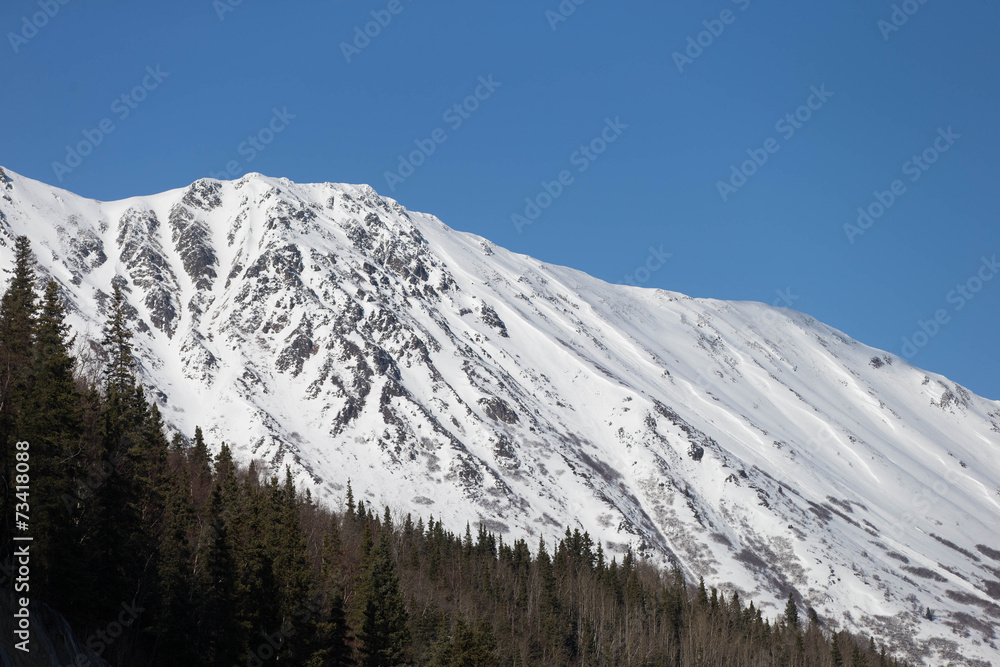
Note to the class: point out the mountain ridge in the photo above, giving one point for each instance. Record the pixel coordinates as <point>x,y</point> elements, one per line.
<point>330,329</point>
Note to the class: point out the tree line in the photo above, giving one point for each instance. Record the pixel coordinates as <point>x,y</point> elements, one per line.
<point>227,564</point>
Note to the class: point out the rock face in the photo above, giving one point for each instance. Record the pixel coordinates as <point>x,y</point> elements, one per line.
<point>329,329</point>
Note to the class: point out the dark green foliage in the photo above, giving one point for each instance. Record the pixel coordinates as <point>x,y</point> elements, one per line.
<point>334,636</point>
<point>175,577</point>
<point>50,420</point>
<point>201,465</point>
<point>384,632</point>
<point>17,334</point>
<point>791,612</point>
<point>219,637</point>
<point>835,655</point>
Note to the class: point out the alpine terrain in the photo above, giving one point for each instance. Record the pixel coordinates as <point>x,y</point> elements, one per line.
<point>328,329</point>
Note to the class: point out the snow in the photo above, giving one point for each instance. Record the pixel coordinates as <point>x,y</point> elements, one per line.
<point>817,461</point>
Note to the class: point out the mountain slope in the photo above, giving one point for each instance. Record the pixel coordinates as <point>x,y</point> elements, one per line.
<point>327,328</point>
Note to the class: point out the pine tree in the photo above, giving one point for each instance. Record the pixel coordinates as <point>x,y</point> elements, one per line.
<point>702,594</point>
<point>384,632</point>
<point>51,421</point>
<point>791,612</point>
<point>201,463</point>
<point>835,655</point>
<point>294,578</point>
<point>225,472</point>
<point>175,614</point>
<point>259,598</point>
<point>220,637</point>
<point>334,636</point>
<point>350,501</point>
<point>120,371</point>
<point>17,330</point>
<point>18,310</point>
<point>114,514</point>
<point>331,554</point>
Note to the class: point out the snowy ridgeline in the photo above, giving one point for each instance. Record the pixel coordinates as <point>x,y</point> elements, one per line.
<point>329,329</point>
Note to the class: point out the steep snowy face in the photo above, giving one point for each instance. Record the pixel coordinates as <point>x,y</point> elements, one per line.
<point>329,329</point>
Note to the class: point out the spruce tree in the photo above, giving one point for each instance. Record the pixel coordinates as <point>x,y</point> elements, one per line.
<point>791,612</point>
<point>220,637</point>
<point>835,655</point>
<point>175,612</point>
<point>384,634</point>
<point>201,464</point>
<point>114,514</point>
<point>117,342</point>
<point>702,594</point>
<point>17,330</point>
<point>350,501</point>
<point>331,555</point>
<point>51,421</point>
<point>294,576</point>
<point>18,309</point>
<point>334,635</point>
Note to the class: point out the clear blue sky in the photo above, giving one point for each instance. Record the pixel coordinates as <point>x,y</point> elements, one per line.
<point>656,184</point>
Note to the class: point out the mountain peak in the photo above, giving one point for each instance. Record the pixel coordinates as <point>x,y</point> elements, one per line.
<point>329,329</point>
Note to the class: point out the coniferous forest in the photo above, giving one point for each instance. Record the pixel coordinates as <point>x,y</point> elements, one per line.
<point>220,564</point>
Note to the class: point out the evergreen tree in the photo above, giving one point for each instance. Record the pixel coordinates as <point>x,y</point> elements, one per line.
<point>225,471</point>
<point>17,330</point>
<point>791,612</point>
<point>201,463</point>
<point>331,555</point>
<point>334,636</point>
<point>702,594</point>
<point>350,501</point>
<point>18,309</point>
<point>114,515</point>
<point>384,632</point>
<point>294,578</point>
<point>857,659</point>
<point>835,655</point>
<point>175,614</point>
<point>51,422</point>
<point>220,637</point>
<point>120,371</point>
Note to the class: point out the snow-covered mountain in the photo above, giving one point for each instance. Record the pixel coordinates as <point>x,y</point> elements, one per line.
<point>330,329</point>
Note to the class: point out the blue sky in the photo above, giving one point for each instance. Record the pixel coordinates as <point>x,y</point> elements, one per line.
<point>620,100</point>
